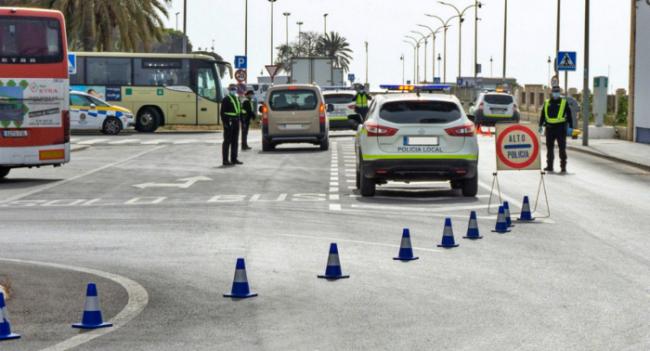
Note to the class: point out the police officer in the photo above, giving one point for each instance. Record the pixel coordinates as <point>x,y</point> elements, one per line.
<point>248,115</point>
<point>361,102</point>
<point>556,116</point>
<point>231,112</point>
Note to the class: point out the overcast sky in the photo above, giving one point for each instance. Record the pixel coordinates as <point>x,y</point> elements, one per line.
<point>383,23</point>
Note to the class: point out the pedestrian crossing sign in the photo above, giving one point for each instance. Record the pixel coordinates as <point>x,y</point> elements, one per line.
<point>566,61</point>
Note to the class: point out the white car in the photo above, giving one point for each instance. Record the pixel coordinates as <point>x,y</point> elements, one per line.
<point>341,109</point>
<point>491,108</point>
<point>90,113</point>
<point>413,137</point>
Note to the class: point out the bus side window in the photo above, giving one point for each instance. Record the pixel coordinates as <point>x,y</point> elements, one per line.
<point>206,84</point>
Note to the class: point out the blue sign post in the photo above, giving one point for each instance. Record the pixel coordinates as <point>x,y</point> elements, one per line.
<point>567,61</point>
<point>241,62</point>
<point>351,77</point>
<point>72,63</point>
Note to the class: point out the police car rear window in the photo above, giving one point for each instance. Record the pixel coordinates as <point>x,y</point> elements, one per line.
<point>339,98</point>
<point>498,99</point>
<point>419,112</point>
<point>293,100</point>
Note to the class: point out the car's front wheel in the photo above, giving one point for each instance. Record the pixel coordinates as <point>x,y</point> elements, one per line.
<point>4,171</point>
<point>368,186</point>
<point>470,186</point>
<point>112,126</point>
<point>324,144</point>
<point>267,145</point>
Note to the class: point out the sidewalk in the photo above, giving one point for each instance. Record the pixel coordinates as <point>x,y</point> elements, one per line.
<point>634,154</point>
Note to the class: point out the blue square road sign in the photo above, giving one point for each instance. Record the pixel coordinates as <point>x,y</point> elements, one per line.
<point>241,62</point>
<point>567,61</point>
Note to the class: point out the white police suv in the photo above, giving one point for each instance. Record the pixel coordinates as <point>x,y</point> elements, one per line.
<point>416,137</point>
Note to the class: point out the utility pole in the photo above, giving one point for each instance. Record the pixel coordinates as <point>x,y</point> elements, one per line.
<point>325,23</point>
<point>586,108</point>
<point>272,2</point>
<point>184,26</point>
<point>245,29</point>
<point>505,39</point>
<point>632,84</point>
<point>476,5</point>
<point>366,63</point>
<point>557,38</point>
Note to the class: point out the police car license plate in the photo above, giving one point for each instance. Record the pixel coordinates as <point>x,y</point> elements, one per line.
<point>421,141</point>
<point>14,133</point>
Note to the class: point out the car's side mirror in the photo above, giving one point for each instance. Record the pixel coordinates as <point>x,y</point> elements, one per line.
<point>261,109</point>
<point>330,108</point>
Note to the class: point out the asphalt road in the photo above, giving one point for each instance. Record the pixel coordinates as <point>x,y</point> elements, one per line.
<point>160,210</point>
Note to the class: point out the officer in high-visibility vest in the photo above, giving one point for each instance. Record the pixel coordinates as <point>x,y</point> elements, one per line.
<point>556,116</point>
<point>231,113</point>
<point>361,102</point>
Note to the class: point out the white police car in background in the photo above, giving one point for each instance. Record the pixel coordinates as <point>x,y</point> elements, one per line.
<point>87,112</point>
<point>416,137</point>
<point>491,108</point>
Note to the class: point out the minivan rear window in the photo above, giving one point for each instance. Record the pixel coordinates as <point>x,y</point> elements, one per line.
<point>339,98</point>
<point>293,100</point>
<point>498,99</point>
<point>419,112</point>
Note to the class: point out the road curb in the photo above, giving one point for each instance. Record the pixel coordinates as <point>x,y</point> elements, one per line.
<point>608,157</point>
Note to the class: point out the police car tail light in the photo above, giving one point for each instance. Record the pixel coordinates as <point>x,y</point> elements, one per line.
<point>265,115</point>
<point>466,130</point>
<point>375,129</point>
<point>321,113</point>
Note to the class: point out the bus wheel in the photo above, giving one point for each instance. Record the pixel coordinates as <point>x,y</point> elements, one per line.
<point>4,171</point>
<point>148,120</point>
<point>112,126</point>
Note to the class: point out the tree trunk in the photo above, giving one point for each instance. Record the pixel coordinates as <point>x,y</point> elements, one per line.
<point>88,25</point>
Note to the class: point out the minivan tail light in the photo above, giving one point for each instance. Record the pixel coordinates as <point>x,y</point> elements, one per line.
<point>378,130</point>
<point>265,115</point>
<point>466,130</point>
<point>321,113</point>
<point>352,106</point>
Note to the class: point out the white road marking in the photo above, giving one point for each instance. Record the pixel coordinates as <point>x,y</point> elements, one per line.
<point>188,182</point>
<point>125,141</point>
<point>334,197</point>
<point>138,298</point>
<point>154,142</point>
<point>335,207</point>
<point>354,241</point>
<point>334,190</point>
<point>183,142</point>
<point>146,200</point>
<point>351,180</point>
<point>92,141</point>
<point>420,209</point>
<point>65,181</point>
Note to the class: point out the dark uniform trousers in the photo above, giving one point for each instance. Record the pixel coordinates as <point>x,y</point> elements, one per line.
<point>245,124</point>
<point>556,133</point>
<point>230,137</point>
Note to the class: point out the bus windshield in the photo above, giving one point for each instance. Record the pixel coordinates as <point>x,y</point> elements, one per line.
<point>25,40</point>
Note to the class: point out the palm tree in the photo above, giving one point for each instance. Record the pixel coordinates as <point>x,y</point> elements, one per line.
<point>285,54</point>
<point>108,24</point>
<point>336,47</point>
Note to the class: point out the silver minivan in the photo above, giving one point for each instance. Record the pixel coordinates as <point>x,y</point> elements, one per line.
<point>294,113</point>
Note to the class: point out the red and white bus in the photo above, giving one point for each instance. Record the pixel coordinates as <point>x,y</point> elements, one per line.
<point>34,88</point>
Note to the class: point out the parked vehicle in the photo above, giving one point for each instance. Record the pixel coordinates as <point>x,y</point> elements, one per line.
<point>90,113</point>
<point>492,108</point>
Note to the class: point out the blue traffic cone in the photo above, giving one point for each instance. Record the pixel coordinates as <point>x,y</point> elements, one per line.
<point>472,228</point>
<point>506,211</point>
<point>5,327</point>
<point>240,288</point>
<point>333,269</point>
<point>448,236</point>
<point>526,215</point>
<point>502,225</point>
<point>92,317</point>
<point>405,249</point>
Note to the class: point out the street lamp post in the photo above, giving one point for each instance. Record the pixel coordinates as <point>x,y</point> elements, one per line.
<point>401,58</point>
<point>415,55</point>
<point>557,37</point>
<point>286,18</point>
<point>425,38</point>
<point>477,5</point>
<point>460,31</point>
<point>184,26</point>
<point>366,63</point>
<point>433,45</point>
<point>417,58</point>
<point>300,23</point>
<point>445,26</point>
<point>325,23</point>
<point>505,38</point>
<point>245,31</point>
<point>491,71</point>
<point>586,109</point>
<point>177,13</point>
<point>272,2</point>
<point>548,61</point>
<point>439,60</point>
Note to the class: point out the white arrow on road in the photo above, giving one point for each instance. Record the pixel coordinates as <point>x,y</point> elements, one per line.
<point>188,182</point>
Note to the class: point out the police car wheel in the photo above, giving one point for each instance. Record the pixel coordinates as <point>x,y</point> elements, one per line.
<point>456,184</point>
<point>267,146</point>
<point>112,126</point>
<point>367,185</point>
<point>4,171</point>
<point>324,144</point>
<point>358,180</point>
<point>470,187</point>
